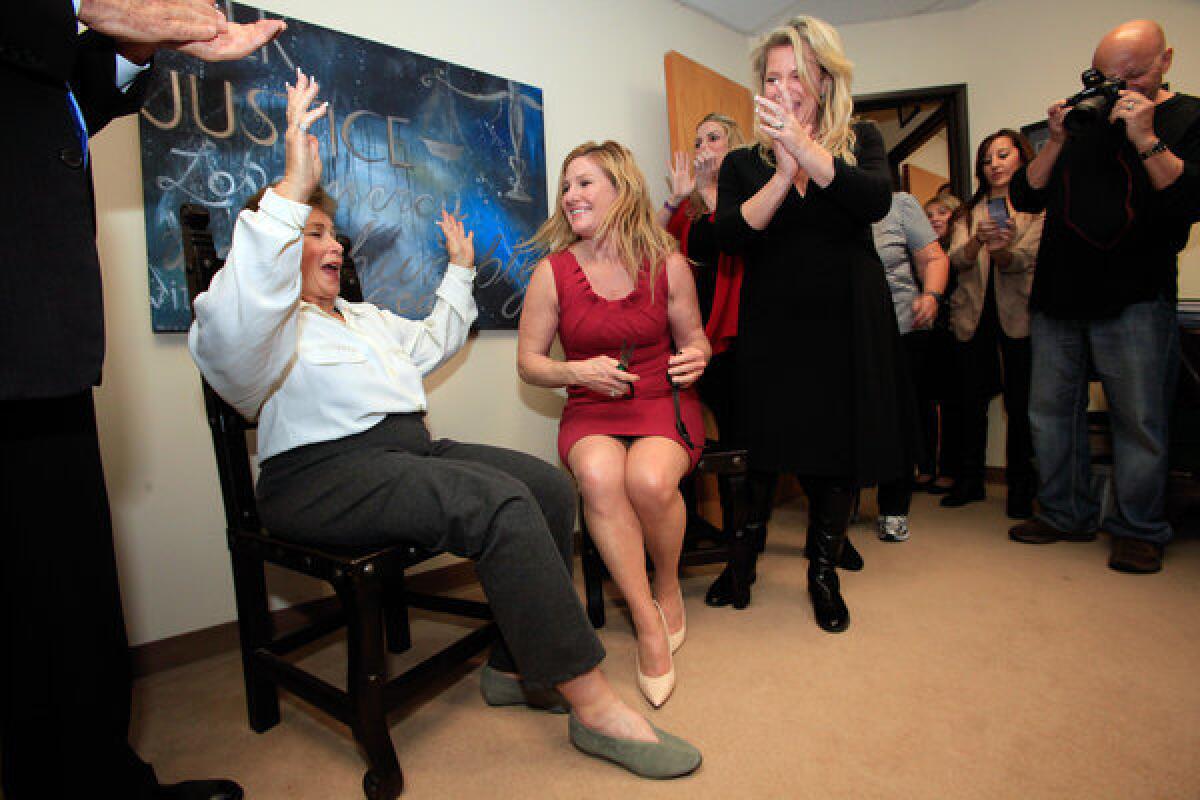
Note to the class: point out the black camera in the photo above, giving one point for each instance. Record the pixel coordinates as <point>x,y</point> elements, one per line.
<point>1091,107</point>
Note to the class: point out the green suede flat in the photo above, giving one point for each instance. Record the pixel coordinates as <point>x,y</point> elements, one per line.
<point>499,689</point>
<point>669,757</point>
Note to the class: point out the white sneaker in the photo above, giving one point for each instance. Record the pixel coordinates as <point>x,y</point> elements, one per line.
<point>893,529</point>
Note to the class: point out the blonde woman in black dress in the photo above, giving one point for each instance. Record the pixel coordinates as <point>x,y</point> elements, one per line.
<point>819,350</point>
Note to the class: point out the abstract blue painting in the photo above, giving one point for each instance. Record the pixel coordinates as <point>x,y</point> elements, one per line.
<point>405,135</point>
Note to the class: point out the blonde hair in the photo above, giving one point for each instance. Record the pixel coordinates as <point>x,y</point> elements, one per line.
<point>629,223</point>
<point>835,108</point>
<point>733,134</point>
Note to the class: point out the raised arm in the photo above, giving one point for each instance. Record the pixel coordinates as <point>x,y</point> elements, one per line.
<point>429,342</point>
<point>1037,173</point>
<point>682,182</point>
<point>245,333</point>
<point>244,336</point>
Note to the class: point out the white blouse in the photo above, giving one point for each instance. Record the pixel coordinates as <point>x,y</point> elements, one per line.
<point>304,375</point>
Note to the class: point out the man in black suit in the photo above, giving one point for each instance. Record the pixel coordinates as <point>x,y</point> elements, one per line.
<point>65,683</point>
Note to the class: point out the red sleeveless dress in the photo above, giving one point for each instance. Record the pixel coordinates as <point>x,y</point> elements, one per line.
<point>589,326</point>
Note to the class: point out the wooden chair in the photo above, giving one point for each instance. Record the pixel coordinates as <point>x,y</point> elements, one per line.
<point>702,542</point>
<point>368,582</point>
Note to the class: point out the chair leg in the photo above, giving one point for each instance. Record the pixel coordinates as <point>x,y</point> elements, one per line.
<point>255,631</point>
<point>362,597</point>
<point>395,616</point>
<point>742,549</point>
<point>593,576</point>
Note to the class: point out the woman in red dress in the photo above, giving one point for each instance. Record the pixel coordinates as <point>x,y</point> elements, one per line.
<point>622,302</point>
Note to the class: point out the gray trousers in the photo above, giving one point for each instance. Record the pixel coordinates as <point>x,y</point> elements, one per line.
<point>510,513</point>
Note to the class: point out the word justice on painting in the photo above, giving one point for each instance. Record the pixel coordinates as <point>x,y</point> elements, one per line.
<point>268,132</point>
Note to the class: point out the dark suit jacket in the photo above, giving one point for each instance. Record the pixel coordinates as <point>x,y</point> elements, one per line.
<point>51,313</point>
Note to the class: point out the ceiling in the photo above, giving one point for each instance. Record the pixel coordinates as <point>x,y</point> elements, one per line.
<point>757,16</point>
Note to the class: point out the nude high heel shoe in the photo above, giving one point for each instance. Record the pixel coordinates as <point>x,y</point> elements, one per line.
<point>659,687</point>
<point>677,638</point>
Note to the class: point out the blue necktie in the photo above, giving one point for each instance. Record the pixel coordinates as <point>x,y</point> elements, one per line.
<point>80,124</point>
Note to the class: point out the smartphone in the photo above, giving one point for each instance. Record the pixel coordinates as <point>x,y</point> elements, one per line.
<point>998,211</point>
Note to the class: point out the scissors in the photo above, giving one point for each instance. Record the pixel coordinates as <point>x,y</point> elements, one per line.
<point>625,359</point>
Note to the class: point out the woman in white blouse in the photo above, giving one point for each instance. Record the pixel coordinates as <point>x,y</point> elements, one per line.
<point>346,458</point>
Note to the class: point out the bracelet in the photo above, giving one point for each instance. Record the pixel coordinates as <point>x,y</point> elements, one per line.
<point>938,296</point>
<point>1153,150</point>
<point>667,205</point>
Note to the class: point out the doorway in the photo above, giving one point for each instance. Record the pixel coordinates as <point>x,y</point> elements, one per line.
<point>925,132</point>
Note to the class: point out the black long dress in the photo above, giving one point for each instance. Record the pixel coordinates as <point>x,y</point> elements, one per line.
<point>821,373</point>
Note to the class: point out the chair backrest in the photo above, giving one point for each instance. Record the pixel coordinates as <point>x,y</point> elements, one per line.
<point>227,426</point>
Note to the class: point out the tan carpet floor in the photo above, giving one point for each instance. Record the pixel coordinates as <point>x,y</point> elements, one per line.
<point>974,668</point>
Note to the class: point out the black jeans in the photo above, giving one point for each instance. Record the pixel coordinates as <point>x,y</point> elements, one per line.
<point>510,513</point>
<point>939,398</point>
<point>992,361</point>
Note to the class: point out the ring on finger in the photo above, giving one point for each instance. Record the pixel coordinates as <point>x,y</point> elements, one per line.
<point>613,393</point>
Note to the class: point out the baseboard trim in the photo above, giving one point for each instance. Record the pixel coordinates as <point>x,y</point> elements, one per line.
<point>176,651</point>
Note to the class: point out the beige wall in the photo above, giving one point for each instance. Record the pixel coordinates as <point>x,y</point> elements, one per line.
<point>1016,57</point>
<point>600,66</point>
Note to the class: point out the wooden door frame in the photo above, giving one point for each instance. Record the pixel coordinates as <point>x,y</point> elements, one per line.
<point>952,112</point>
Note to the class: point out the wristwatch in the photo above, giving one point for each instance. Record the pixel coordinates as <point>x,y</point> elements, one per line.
<point>941,298</point>
<point>1153,150</point>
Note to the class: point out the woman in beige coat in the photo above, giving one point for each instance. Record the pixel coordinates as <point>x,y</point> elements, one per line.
<point>993,253</point>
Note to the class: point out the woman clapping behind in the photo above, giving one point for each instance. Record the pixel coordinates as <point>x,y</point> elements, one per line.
<point>621,300</point>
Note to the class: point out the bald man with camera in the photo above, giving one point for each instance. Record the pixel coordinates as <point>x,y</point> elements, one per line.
<point>1119,180</point>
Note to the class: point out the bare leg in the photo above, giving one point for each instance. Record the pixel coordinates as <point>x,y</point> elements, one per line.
<point>597,706</point>
<point>598,463</point>
<point>653,469</point>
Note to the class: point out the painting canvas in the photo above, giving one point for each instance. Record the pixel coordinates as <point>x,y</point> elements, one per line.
<point>405,135</point>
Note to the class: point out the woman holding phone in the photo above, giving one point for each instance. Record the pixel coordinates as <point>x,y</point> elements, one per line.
<point>992,253</point>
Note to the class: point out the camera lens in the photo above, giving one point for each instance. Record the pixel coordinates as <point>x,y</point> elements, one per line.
<point>1085,116</point>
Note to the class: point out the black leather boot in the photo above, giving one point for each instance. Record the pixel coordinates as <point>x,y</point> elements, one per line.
<point>827,533</point>
<point>720,593</point>
<point>851,560</point>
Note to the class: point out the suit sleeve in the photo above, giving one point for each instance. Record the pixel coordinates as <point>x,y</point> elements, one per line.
<point>94,81</point>
<point>39,37</point>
